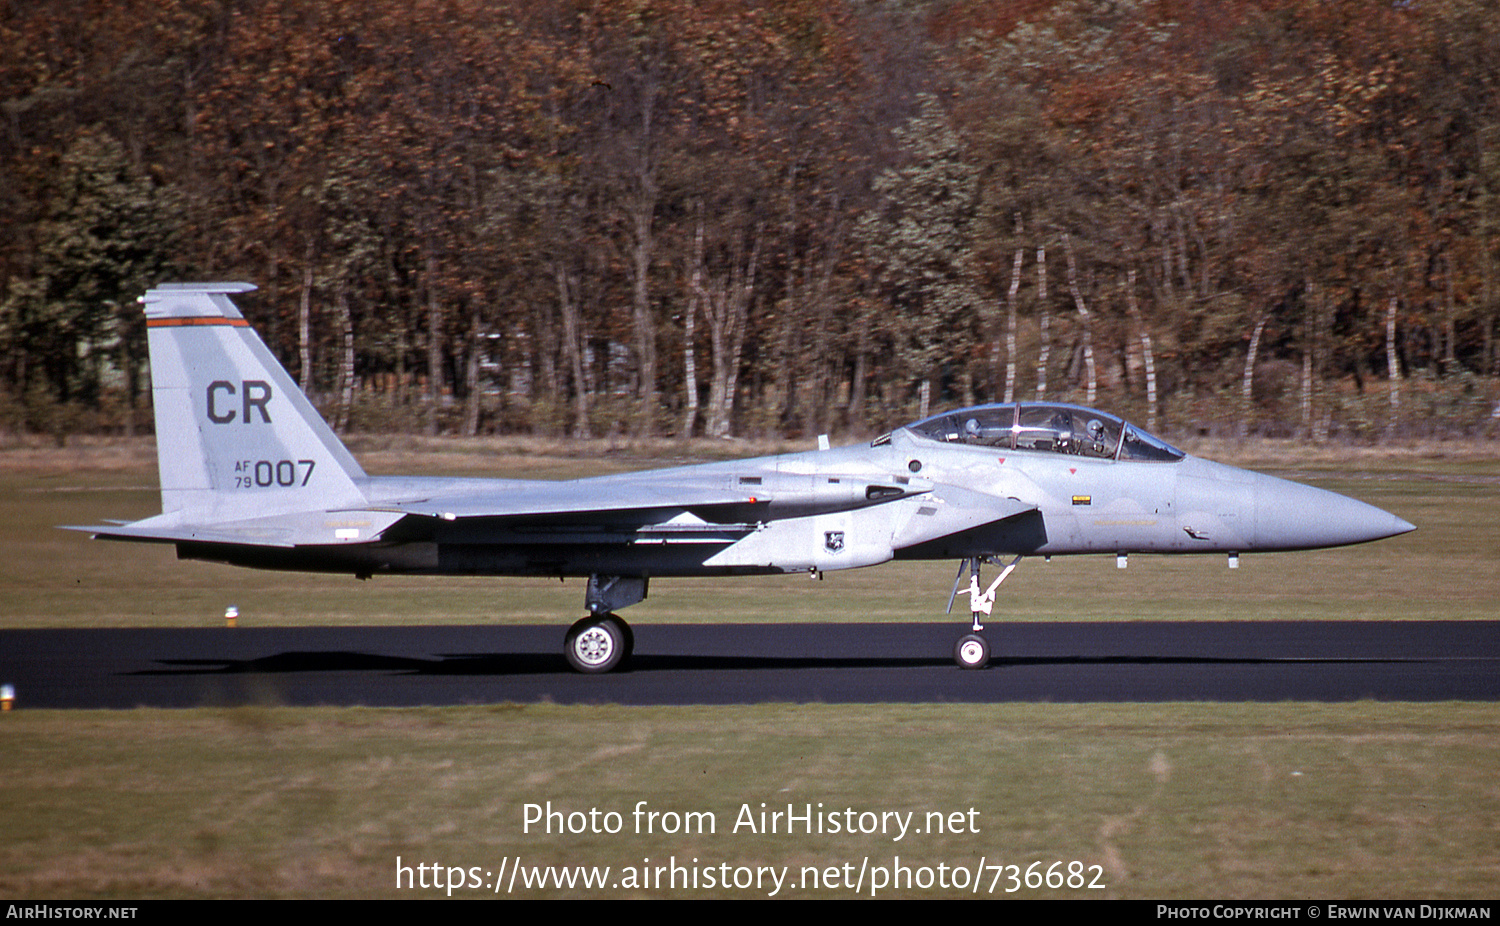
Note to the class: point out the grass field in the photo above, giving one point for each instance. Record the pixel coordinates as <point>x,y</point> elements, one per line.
<point>1183,801</point>
<point>1170,801</point>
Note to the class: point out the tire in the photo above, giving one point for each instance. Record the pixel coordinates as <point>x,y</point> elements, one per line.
<point>596,644</point>
<point>971,652</point>
<point>625,632</point>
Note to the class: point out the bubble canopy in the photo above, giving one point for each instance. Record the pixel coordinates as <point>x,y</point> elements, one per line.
<point>1047,427</point>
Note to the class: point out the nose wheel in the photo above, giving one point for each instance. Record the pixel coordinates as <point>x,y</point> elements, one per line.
<point>971,652</point>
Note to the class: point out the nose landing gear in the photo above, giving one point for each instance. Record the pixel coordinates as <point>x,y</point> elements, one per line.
<point>972,650</point>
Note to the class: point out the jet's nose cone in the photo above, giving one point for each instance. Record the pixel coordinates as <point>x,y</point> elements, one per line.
<point>1292,516</point>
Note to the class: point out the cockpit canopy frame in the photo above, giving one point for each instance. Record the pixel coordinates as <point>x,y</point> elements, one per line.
<point>1047,427</point>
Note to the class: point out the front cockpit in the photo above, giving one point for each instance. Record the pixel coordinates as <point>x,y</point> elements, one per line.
<point>1047,428</point>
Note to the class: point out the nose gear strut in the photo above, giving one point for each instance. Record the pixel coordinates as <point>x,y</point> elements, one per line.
<point>972,650</point>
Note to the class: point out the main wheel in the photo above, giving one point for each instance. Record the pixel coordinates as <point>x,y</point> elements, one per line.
<point>625,632</point>
<point>971,652</point>
<point>596,644</point>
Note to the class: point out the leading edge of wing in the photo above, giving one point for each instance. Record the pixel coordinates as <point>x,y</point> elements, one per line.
<point>950,510</point>
<point>542,500</point>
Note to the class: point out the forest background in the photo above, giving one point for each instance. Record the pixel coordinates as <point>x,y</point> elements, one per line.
<point>768,219</point>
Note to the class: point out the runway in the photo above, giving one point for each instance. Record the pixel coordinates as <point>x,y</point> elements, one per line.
<point>756,663</point>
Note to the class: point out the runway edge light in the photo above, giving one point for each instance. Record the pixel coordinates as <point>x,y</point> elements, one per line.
<point>231,616</point>
<point>7,696</point>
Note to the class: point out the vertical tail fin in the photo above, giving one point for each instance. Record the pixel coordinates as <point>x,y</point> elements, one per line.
<point>235,437</point>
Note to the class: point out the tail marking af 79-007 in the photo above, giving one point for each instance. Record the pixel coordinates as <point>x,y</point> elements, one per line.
<point>251,475</point>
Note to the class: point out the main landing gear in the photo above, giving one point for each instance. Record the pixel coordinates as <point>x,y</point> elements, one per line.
<point>602,642</point>
<point>972,651</point>
<point>598,643</point>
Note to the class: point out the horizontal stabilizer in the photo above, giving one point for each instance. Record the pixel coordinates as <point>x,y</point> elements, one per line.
<point>318,528</point>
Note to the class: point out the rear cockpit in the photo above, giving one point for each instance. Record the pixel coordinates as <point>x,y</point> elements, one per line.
<point>1046,427</point>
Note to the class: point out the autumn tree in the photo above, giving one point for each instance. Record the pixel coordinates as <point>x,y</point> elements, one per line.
<point>108,235</point>
<point>921,239</point>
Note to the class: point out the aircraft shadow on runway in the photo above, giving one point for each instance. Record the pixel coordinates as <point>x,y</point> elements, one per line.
<point>502,664</point>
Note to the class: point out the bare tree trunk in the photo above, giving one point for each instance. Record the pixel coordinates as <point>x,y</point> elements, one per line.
<point>640,206</point>
<point>737,349</point>
<point>1392,366</point>
<point>689,370</point>
<point>434,347</point>
<point>567,301</point>
<point>402,373</point>
<point>1045,322</point>
<point>403,329</point>
<point>1247,385</point>
<point>346,363</point>
<point>1488,364</point>
<point>783,382</point>
<point>1010,324</point>
<point>1309,326</point>
<point>129,368</point>
<point>1307,390</point>
<point>718,391</point>
<point>1088,328</point>
<point>793,322</point>
<point>726,305</point>
<point>471,375</point>
<point>1147,357</point>
<point>690,333</point>
<point>1322,321</point>
<point>644,322</point>
<point>816,288</point>
<point>304,325</point>
<point>857,386</point>
<point>1450,319</point>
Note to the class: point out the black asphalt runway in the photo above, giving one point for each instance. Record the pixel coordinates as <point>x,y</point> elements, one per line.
<point>748,664</point>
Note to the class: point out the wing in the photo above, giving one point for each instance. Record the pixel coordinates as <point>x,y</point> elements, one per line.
<point>712,493</point>
<point>953,512</point>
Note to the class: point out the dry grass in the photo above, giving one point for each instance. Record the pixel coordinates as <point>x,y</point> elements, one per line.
<point>1171,801</point>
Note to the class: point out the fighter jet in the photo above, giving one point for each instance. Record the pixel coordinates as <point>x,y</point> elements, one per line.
<point>251,475</point>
